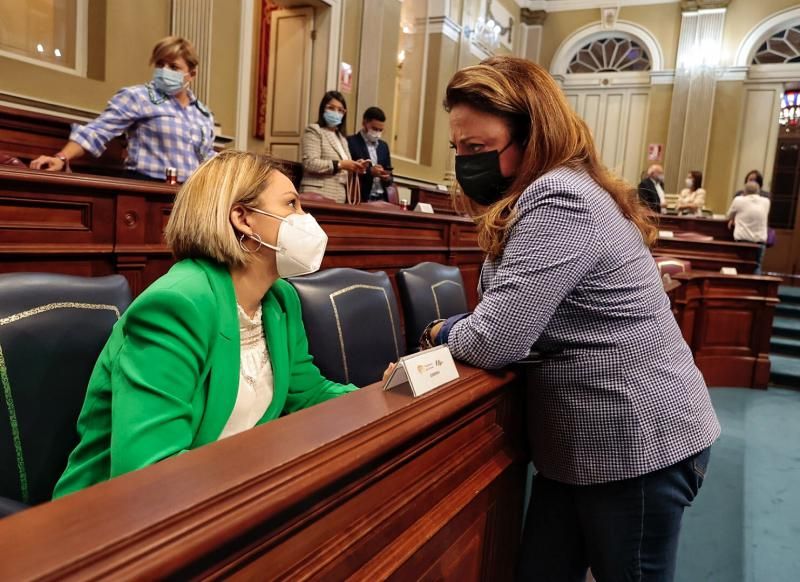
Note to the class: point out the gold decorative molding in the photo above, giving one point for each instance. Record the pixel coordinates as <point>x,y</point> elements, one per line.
<point>532,17</point>
<point>694,5</point>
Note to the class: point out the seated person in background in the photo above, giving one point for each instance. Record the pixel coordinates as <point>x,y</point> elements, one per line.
<point>217,345</point>
<point>692,198</point>
<point>749,218</point>
<point>326,157</point>
<point>367,144</point>
<point>651,189</point>
<point>165,124</point>
<point>755,176</point>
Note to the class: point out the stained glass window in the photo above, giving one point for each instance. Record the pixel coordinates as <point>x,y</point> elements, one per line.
<point>790,109</point>
<point>610,55</point>
<point>781,48</point>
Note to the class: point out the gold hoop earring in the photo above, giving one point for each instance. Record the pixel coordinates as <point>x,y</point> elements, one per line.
<point>257,238</point>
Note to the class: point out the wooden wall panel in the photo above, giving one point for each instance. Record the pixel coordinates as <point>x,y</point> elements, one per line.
<point>114,225</point>
<point>727,322</point>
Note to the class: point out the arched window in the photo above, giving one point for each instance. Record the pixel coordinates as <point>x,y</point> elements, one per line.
<point>614,54</point>
<point>783,47</point>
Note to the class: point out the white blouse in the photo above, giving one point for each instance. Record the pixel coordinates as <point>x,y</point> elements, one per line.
<point>255,376</point>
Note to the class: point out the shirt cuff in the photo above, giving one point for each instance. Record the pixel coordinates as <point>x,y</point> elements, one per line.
<point>87,139</point>
<point>444,333</point>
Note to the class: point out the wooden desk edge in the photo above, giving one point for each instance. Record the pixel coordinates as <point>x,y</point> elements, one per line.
<point>210,492</point>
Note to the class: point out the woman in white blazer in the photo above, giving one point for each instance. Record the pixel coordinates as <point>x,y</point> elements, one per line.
<point>326,158</point>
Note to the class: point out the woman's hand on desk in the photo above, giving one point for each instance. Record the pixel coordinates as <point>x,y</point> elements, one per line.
<point>49,163</point>
<point>388,372</point>
<point>435,331</point>
<point>354,166</point>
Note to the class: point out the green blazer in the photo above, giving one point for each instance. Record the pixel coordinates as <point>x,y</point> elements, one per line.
<point>167,379</point>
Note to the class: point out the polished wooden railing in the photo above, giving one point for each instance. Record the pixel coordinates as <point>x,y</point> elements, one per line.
<point>373,485</point>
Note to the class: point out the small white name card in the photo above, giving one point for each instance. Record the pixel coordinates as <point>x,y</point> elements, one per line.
<point>442,188</point>
<point>424,207</point>
<point>729,271</point>
<point>666,234</point>
<point>423,371</point>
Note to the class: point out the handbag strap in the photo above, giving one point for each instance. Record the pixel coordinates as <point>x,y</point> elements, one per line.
<point>353,194</point>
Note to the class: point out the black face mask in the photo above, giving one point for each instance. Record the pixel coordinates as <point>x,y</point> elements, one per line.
<point>480,178</point>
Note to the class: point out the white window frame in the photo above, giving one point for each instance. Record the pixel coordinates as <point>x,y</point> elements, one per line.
<point>591,32</point>
<point>81,46</point>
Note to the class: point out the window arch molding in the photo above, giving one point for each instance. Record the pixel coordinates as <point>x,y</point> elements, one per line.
<point>588,34</point>
<point>761,32</point>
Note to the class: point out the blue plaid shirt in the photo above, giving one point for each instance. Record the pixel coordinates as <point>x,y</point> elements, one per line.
<point>161,133</point>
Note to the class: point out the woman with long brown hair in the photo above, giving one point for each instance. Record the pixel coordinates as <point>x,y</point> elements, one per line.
<point>619,417</point>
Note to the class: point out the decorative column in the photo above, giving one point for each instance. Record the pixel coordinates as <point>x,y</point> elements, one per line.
<point>530,45</point>
<point>191,19</point>
<point>699,50</point>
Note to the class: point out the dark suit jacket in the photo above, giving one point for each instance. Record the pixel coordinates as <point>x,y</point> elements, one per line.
<point>358,151</point>
<point>649,195</point>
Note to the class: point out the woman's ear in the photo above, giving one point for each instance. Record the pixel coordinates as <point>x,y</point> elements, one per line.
<point>240,219</point>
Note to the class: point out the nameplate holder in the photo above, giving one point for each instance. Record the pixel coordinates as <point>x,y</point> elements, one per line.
<point>729,271</point>
<point>422,372</point>
<point>424,207</point>
<point>666,234</point>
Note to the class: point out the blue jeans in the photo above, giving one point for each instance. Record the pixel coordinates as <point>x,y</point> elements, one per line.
<point>761,252</point>
<point>623,530</point>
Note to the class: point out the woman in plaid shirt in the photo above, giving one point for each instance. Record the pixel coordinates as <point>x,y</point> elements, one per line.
<point>166,125</point>
<point>619,417</point>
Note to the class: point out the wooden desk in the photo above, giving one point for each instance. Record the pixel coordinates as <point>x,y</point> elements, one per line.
<point>727,322</point>
<point>27,135</point>
<point>91,225</point>
<point>715,227</point>
<point>710,255</point>
<point>372,485</point>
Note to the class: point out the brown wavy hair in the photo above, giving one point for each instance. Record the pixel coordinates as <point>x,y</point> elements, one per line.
<point>547,130</point>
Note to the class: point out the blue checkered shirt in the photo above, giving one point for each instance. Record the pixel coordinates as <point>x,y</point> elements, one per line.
<point>161,133</point>
<point>618,394</point>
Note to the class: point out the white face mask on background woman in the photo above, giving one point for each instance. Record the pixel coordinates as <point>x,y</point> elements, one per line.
<point>689,183</point>
<point>300,246</point>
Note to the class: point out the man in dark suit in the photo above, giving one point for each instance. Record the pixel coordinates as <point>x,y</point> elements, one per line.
<point>651,189</point>
<point>368,145</point>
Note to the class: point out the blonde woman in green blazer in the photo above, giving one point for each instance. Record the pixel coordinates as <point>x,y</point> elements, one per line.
<point>172,376</point>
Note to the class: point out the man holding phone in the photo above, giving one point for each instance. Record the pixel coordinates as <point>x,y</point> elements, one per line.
<point>368,145</point>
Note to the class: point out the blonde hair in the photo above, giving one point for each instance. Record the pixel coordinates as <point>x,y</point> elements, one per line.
<point>200,226</point>
<point>547,130</point>
<point>170,49</point>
